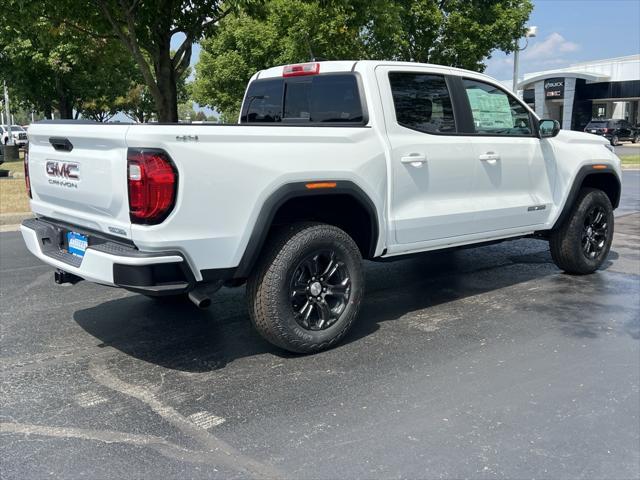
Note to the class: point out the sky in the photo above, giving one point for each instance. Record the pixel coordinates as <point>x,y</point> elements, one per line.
<point>569,31</point>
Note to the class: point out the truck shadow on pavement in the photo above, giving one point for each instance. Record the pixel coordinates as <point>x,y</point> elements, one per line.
<point>462,284</point>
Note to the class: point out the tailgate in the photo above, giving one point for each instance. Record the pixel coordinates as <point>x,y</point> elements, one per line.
<point>78,174</point>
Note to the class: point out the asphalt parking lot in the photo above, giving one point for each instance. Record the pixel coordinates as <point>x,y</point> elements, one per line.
<point>481,363</point>
<point>627,148</point>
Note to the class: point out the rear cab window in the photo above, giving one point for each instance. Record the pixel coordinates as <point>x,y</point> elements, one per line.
<point>332,98</point>
<point>422,102</point>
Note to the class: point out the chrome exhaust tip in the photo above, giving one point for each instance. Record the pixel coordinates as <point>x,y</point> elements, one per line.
<point>200,299</point>
<point>201,295</point>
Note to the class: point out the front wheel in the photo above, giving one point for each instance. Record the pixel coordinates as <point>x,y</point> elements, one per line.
<point>581,244</point>
<point>306,291</point>
<point>615,141</point>
<point>636,138</point>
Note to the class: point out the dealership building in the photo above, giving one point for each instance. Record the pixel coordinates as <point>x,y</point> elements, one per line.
<point>584,91</point>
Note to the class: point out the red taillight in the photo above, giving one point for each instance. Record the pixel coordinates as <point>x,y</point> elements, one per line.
<point>153,183</point>
<point>26,171</point>
<point>605,130</point>
<point>301,69</point>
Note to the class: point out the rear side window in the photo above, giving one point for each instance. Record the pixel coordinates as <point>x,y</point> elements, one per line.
<point>332,98</point>
<point>422,102</point>
<point>495,112</point>
<point>263,102</point>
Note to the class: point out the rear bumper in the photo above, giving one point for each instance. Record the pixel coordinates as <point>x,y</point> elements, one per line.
<point>109,262</point>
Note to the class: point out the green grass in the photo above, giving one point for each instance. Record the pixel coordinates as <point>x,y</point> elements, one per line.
<point>13,192</point>
<point>13,195</point>
<point>632,160</point>
<point>16,166</point>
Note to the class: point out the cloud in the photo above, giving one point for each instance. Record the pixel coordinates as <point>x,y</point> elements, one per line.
<point>552,51</point>
<point>549,48</point>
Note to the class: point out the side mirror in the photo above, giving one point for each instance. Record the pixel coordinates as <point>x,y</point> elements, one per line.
<point>548,128</point>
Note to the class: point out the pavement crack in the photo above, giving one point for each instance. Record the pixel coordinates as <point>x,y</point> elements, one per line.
<point>222,452</point>
<point>161,445</point>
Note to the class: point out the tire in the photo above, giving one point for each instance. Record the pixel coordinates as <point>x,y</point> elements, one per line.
<point>615,141</point>
<point>280,292</point>
<point>636,138</point>
<point>580,246</point>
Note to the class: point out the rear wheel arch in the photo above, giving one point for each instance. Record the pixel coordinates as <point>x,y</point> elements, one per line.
<point>346,206</point>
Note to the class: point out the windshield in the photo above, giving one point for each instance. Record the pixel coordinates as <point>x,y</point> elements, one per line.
<point>17,127</point>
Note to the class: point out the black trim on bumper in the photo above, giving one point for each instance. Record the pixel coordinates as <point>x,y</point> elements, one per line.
<point>156,279</point>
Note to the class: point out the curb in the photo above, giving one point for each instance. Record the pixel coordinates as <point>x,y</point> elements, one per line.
<point>10,228</point>
<point>13,219</point>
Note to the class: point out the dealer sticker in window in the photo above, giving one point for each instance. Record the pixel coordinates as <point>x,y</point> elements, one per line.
<point>77,243</point>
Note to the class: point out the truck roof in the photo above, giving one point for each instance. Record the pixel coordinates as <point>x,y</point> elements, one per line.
<point>333,66</point>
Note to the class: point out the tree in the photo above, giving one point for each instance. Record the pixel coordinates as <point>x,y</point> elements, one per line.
<point>145,29</point>
<point>186,113</point>
<point>49,65</point>
<point>289,31</point>
<point>460,33</point>
<point>138,104</point>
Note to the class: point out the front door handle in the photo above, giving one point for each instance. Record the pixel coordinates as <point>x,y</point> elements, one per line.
<point>489,157</point>
<point>414,159</point>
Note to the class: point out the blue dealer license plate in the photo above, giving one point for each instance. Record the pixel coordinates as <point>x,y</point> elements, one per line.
<point>77,243</point>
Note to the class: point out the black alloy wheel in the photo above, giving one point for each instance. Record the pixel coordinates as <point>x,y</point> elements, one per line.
<point>595,232</point>
<point>306,290</point>
<point>320,289</point>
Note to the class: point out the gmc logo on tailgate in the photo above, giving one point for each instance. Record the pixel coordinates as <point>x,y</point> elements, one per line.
<point>63,170</point>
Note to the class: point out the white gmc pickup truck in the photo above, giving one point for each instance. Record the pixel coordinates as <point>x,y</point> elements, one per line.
<point>331,163</point>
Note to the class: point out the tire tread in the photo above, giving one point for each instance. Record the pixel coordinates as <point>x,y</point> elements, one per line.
<point>262,287</point>
<point>562,240</point>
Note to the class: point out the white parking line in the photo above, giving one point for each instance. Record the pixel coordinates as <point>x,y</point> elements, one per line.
<point>206,420</point>
<point>89,399</point>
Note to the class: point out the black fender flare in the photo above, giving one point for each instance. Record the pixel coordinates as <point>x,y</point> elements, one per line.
<point>588,171</point>
<point>294,190</point>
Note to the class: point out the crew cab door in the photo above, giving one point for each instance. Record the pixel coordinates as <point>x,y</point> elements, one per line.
<point>513,184</point>
<point>432,167</point>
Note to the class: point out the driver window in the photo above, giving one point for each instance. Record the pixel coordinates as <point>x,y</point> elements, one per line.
<point>495,112</point>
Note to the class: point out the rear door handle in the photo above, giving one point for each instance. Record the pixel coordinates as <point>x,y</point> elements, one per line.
<point>489,157</point>
<point>414,159</point>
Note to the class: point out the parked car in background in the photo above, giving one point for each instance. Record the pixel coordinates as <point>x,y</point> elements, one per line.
<point>614,130</point>
<point>18,133</point>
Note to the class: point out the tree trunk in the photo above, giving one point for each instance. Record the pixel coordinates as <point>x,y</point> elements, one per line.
<point>65,107</point>
<point>167,101</point>
<point>166,98</point>
<point>48,112</point>
<point>64,100</point>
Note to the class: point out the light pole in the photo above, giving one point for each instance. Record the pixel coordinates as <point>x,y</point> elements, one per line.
<point>531,32</point>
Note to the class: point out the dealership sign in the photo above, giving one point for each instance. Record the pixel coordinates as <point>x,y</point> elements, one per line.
<point>554,88</point>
